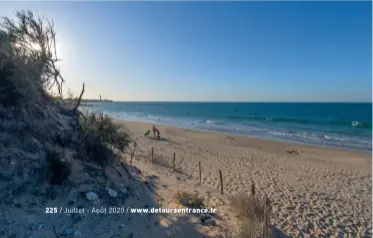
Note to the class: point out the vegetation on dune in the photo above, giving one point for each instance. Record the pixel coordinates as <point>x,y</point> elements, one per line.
<point>28,59</point>
<point>249,206</point>
<point>254,216</point>
<point>190,200</point>
<point>101,133</point>
<point>32,107</point>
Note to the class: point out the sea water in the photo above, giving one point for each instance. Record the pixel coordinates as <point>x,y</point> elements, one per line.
<point>342,125</point>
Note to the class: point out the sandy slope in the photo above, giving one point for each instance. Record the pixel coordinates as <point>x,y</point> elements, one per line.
<point>28,216</point>
<point>319,191</point>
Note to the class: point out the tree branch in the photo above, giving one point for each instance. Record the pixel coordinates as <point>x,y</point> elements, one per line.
<point>80,98</point>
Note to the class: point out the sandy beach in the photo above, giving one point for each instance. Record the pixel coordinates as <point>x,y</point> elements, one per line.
<point>313,190</point>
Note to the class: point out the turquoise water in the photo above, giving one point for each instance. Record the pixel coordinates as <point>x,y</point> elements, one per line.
<point>344,125</point>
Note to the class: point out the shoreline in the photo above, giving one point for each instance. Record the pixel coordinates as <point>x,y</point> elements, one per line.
<point>272,146</point>
<point>272,139</point>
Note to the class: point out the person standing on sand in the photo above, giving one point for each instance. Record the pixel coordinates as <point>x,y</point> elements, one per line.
<point>158,134</point>
<point>154,130</point>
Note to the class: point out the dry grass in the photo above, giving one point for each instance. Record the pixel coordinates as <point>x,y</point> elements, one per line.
<point>248,229</point>
<point>249,206</point>
<point>253,214</point>
<point>190,200</point>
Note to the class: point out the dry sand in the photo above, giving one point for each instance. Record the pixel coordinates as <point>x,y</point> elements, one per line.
<point>314,191</point>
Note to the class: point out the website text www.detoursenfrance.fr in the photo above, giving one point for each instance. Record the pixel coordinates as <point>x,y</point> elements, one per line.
<point>171,210</point>
<point>129,210</point>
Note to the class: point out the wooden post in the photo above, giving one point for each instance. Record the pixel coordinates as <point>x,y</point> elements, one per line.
<point>268,203</point>
<point>221,182</point>
<point>173,163</point>
<point>267,223</point>
<point>152,154</point>
<point>253,189</point>
<point>200,173</point>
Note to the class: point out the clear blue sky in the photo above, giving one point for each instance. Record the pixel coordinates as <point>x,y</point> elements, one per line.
<point>214,51</point>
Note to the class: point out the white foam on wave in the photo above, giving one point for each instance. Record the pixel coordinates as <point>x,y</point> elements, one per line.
<point>328,137</point>
<point>154,118</point>
<point>355,124</point>
<point>197,122</point>
<point>299,135</point>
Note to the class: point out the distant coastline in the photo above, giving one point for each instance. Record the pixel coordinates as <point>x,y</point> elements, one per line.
<point>96,100</point>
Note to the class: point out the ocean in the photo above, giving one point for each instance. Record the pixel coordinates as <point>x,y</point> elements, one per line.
<point>341,125</point>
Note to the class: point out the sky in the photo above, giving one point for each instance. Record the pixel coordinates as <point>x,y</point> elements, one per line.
<point>213,51</point>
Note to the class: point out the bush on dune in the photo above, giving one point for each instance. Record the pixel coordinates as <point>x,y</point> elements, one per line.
<point>28,59</point>
<point>100,131</point>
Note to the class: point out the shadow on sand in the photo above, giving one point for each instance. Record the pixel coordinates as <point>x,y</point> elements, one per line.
<point>279,234</point>
<point>160,139</point>
<point>157,224</point>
